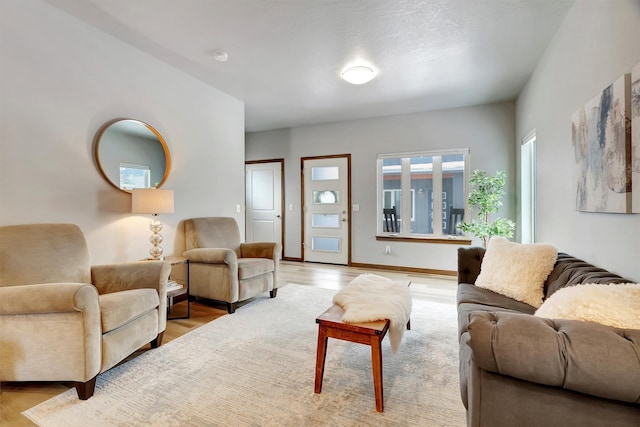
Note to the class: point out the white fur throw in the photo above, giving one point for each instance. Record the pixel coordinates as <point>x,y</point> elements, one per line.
<point>369,297</point>
<point>613,305</point>
<point>517,270</point>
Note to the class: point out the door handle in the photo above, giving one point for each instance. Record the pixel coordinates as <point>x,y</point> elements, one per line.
<point>277,216</point>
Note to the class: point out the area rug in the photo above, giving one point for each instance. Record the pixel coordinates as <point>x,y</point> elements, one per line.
<point>256,367</point>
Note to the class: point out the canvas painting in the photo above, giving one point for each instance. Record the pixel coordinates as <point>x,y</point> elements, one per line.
<point>602,148</point>
<point>635,138</point>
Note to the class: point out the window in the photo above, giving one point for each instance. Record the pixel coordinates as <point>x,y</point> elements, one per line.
<point>436,182</point>
<point>134,176</point>
<point>392,199</point>
<point>528,188</point>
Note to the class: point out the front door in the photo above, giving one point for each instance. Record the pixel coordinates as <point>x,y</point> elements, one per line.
<point>326,198</point>
<point>264,201</point>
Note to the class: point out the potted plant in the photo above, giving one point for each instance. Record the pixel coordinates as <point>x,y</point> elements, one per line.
<point>485,197</point>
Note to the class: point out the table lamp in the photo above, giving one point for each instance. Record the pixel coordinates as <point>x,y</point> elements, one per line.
<point>153,201</point>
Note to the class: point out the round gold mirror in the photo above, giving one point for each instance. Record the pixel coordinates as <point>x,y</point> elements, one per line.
<point>131,154</point>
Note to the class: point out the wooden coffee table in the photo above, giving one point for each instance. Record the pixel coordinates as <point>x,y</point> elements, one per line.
<point>330,325</point>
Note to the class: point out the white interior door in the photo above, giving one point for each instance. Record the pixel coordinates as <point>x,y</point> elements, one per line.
<point>326,210</point>
<point>263,202</point>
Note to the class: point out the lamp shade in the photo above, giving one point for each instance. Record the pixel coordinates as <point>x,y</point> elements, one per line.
<point>152,201</point>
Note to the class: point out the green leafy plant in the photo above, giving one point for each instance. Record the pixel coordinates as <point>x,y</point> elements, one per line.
<point>485,197</point>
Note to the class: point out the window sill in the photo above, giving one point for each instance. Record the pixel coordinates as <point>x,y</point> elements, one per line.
<point>424,239</point>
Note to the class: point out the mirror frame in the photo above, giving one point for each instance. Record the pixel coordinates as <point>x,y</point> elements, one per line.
<point>96,149</point>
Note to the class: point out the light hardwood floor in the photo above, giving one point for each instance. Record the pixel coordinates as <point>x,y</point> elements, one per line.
<point>18,397</point>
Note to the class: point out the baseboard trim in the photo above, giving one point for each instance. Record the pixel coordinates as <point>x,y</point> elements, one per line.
<point>386,267</point>
<point>400,268</point>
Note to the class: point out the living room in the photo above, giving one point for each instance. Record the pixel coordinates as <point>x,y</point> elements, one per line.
<point>57,94</point>
<point>62,79</point>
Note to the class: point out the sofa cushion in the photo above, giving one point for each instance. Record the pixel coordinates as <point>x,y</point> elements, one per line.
<point>616,305</point>
<point>118,308</point>
<point>252,267</point>
<point>588,358</point>
<point>517,270</point>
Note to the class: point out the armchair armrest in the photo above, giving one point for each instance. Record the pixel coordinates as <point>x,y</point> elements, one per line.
<point>212,256</point>
<point>49,298</point>
<point>269,250</point>
<point>581,356</point>
<point>50,332</point>
<point>133,275</point>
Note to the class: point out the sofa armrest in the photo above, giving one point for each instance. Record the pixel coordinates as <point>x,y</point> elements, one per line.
<point>269,250</point>
<point>212,256</point>
<point>469,262</point>
<point>110,278</point>
<point>581,356</point>
<point>49,298</point>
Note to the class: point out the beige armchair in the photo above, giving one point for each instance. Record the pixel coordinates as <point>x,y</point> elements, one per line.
<point>222,268</point>
<point>62,319</point>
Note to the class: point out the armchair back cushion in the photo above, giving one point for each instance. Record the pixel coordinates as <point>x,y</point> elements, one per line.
<point>43,253</point>
<point>213,232</point>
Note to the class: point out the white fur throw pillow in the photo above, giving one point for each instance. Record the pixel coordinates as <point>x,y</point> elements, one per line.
<point>613,305</point>
<point>517,270</point>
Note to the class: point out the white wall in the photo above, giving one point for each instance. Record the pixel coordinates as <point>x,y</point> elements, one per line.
<point>487,130</point>
<point>598,42</point>
<point>60,81</point>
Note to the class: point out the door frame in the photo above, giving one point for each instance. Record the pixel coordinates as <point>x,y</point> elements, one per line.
<point>302,200</point>
<point>282,195</point>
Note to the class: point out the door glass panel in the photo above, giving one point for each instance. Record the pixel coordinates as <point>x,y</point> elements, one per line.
<point>325,244</point>
<point>325,220</point>
<point>326,197</point>
<point>324,173</point>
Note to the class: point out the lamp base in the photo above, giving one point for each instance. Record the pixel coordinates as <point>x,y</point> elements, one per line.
<point>155,239</point>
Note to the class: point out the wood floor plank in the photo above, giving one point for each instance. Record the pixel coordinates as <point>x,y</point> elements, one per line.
<point>18,397</point>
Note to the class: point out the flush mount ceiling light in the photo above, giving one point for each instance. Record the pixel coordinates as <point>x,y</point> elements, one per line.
<point>358,75</point>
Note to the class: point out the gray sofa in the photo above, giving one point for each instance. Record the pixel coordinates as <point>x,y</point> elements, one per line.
<point>517,369</point>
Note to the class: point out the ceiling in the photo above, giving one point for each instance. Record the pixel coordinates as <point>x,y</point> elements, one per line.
<point>286,56</point>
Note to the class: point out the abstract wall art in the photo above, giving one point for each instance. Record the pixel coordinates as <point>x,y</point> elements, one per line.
<point>635,138</point>
<point>602,147</point>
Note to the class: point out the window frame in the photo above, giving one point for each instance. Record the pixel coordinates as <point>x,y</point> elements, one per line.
<point>528,177</point>
<point>437,183</point>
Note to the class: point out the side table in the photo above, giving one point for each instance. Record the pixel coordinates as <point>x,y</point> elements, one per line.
<point>172,295</point>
